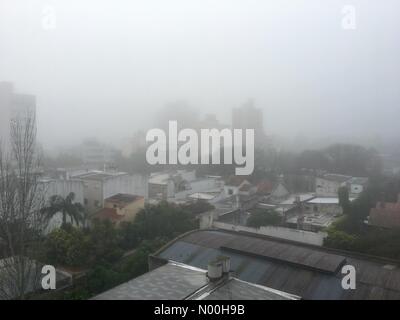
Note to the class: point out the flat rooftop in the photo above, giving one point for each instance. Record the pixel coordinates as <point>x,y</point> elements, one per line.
<point>292,199</point>
<point>160,178</point>
<point>99,175</point>
<point>202,196</point>
<point>321,220</point>
<point>303,270</point>
<point>336,177</point>
<point>326,200</point>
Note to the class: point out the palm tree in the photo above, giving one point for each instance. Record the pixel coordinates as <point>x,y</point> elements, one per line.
<point>66,206</point>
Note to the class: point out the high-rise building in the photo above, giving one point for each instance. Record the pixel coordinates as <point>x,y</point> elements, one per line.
<point>249,117</point>
<point>12,106</point>
<point>97,154</point>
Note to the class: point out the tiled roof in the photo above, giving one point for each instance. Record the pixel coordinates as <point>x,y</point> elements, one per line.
<point>123,198</point>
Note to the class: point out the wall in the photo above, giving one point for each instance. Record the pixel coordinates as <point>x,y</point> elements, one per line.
<point>93,192</point>
<point>277,232</point>
<point>327,188</point>
<point>156,190</point>
<point>319,208</point>
<point>356,189</point>
<point>129,211</point>
<point>62,188</point>
<point>201,185</point>
<point>231,191</point>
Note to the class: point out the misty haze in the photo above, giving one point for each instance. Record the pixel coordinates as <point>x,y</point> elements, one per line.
<point>199,150</point>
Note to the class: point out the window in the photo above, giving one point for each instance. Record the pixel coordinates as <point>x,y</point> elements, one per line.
<point>230,191</point>
<point>85,201</point>
<point>97,203</point>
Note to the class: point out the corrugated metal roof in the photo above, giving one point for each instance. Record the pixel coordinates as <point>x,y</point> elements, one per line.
<point>289,267</point>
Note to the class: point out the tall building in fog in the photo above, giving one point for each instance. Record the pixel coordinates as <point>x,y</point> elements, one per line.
<point>97,154</point>
<point>250,117</point>
<point>13,105</point>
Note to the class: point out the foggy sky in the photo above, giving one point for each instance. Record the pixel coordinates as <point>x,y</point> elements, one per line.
<point>108,66</point>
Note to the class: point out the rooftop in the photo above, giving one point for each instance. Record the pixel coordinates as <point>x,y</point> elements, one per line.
<point>321,220</point>
<point>246,187</point>
<point>303,270</point>
<point>336,177</point>
<point>235,181</point>
<point>292,199</point>
<point>160,178</point>
<point>123,198</point>
<point>359,180</point>
<point>98,175</point>
<point>176,281</point>
<point>203,196</point>
<point>326,200</point>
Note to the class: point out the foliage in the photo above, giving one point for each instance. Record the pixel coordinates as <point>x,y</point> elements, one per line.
<point>344,201</point>
<point>66,206</point>
<point>104,242</point>
<point>351,233</point>
<point>339,239</point>
<point>198,207</point>
<point>263,217</point>
<point>341,158</point>
<point>101,247</point>
<point>129,235</point>
<point>102,278</point>
<point>164,220</point>
<point>67,246</point>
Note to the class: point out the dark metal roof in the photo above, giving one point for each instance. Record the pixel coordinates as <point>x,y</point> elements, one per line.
<point>306,271</point>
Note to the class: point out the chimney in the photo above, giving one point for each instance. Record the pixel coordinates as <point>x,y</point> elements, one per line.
<point>226,264</point>
<point>215,271</point>
<point>219,268</point>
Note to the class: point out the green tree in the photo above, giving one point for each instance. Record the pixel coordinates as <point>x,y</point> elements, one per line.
<point>67,246</point>
<point>66,206</point>
<point>198,207</point>
<point>104,242</point>
<point>129,236</point>
<point>263,217</point>
<point>164,220</point>
<point>344,201</point>
<point>340,240</point>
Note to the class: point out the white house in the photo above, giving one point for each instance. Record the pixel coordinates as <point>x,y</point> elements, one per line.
<point>233,184</point>
<point>100,185</point>
<point>328,185</point>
